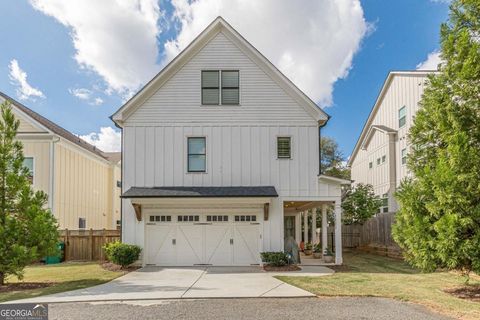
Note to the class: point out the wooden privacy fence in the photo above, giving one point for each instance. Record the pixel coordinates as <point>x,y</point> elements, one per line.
<point>376,231</point>
<point>87,245</point>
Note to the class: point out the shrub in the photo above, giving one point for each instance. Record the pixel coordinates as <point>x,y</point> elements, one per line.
<point>121,253</point>
<point>275,259</point>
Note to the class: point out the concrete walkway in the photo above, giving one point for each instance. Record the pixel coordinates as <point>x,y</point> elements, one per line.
<point>194,282</point>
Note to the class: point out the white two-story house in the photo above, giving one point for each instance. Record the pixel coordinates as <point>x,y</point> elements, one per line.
<point>221,158</point>
<point>380,154</point>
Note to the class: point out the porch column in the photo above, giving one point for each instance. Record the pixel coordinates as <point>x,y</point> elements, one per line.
<point>324,228</point>
<point>314,225</point>
<point>298,228</point>
<point>338,233</point>
<point>305,226</point>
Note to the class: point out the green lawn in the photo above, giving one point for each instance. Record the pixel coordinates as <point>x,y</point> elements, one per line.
<point>371,275</point>
<point>65,276</point>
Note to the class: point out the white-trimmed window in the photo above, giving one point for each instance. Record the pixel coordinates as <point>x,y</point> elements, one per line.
<point>402,116</point>
<point>384,207</point>
<point>197,154</point>
<point>220,87</point>
<point>404,156</point>
<point>28,163</point>
<point>284,147</point>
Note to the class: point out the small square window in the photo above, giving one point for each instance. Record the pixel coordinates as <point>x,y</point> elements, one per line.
<point>169,218</point>
<point>82,223</point>
<point>237,218</point>
<point>152,218</point>
<point>209,218</point>
<point>119,184</point>
<point>284,148</point>
<point>180,218</point>
<point>370,165</point>
<point>378,161</point>
<point>157,218</point>
<point>254,218</point>
<point>384,158</point>
<point>225,218</point>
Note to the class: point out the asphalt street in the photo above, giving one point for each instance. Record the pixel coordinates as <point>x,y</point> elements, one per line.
<point>259,308</point>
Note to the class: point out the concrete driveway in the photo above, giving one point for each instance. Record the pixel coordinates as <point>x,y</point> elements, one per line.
<point>195,282</point>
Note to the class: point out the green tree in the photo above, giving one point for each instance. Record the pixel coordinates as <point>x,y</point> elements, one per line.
<point>360,204</point>
<point>332,161</point>
<point>28,231</point>
<point>438,224</point>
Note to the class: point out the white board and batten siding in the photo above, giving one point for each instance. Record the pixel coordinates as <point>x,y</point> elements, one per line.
<point>240,139</point>
<point>403,89</point>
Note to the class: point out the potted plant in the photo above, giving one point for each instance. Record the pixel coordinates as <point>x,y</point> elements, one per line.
<point>328,256</point>
<point>317,251</point>
<point>308,249</point>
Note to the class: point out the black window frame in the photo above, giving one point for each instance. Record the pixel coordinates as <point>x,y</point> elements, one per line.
<point>222,87</point>
<point>289,147</point>
<point>196,154</point>
<point>218,88</point>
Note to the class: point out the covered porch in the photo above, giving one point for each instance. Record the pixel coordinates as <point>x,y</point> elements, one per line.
<point>307,223</point>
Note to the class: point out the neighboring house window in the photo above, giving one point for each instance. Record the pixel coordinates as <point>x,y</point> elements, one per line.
<point>402,116</point>
<point>384,158</point>
<point>82,223</point>
<point>230,87</point>
<point>210,87</point>
<point>220,86</point>
<point>197,154</point>
<point>119,184</point>
<point>370,165</point>
<point>404,156</point>
<point>28,163</point>
<point>378,161</point>
<point>384,207</point>
<point>284,147</point>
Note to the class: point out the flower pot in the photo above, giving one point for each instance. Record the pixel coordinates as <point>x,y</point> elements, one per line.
<point>328,259</point>
<point>307,252</point>
<point>317,255</point>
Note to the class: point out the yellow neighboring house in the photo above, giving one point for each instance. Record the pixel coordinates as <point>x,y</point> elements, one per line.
<point>82,182</point>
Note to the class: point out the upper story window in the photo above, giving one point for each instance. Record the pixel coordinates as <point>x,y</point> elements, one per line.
<point>378,161</point>
<point>220,86</point>
<point>284,148</point>
<point>197,154</point>
<point>384,158</point>
<point>28,163</point>
<point>402,116</point>
<point>370,165</point>
<point>404,156</point>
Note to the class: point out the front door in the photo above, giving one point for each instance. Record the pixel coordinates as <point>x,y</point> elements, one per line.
<point>289,227</point>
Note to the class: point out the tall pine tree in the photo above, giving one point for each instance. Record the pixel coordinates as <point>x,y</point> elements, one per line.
<point>28,231</point>
<point>438,224</point>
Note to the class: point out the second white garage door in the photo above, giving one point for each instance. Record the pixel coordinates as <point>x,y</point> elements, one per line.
<point>209,239</point>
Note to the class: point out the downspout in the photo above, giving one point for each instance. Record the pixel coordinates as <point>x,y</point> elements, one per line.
<point>320,126</point>
<point>51,202</point>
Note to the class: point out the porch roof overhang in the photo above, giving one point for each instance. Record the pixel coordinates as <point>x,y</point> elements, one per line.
<point>200,192</point>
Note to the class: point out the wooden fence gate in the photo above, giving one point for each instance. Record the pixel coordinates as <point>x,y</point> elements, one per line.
<point>87,245</point>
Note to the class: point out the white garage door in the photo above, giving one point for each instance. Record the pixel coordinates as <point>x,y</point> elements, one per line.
<point>209,239</point>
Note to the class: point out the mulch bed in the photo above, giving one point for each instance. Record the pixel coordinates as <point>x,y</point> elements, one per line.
<point>290,267</point>
<point>116,268</point>
<point>20,286</point>
<point>467,292</point>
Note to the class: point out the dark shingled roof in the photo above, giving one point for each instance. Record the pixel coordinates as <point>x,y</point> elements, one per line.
<point>198,192</point>
<point>54,127</point>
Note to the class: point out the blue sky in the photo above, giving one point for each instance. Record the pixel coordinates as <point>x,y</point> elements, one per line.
<point>80,84</point>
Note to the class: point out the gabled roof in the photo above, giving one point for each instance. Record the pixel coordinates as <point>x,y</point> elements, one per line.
<point>196,192</point>
<point>376,106</point>
<point>53,127</point>
<point>218,25</point>
<point>371,131</point>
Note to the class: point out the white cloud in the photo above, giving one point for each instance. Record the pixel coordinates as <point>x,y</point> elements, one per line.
<point>108,139</point>
<point>86,95</point>
<point>18,77</point>
<point>432,62</point>
<point>312,43</point>
<point>114,38</point>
